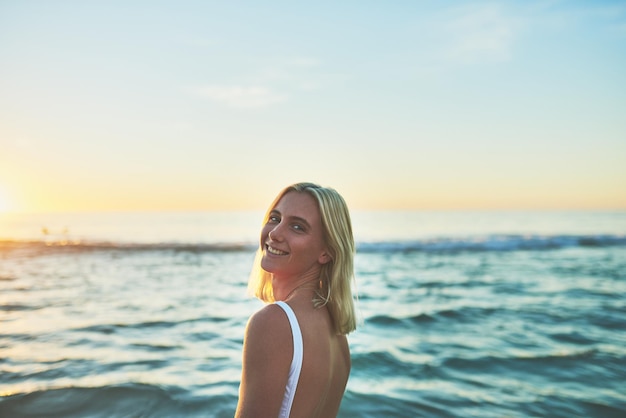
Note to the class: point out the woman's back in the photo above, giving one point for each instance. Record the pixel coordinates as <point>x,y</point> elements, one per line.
<point>325,365</point>
<point>268,355</point>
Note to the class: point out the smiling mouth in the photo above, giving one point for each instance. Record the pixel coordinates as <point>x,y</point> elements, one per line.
<point>275,251</point>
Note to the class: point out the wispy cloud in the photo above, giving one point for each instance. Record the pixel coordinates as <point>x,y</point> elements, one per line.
<point>488,32</point>
<point>242,96</point>
<point>269,84</point>
<point>293,72</point>
<point>479,33</point>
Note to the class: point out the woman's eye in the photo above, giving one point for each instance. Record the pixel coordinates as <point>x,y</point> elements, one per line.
<point>298,227</point>
<point>274,219</point>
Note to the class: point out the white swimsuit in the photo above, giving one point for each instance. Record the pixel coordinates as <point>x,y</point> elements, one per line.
<point>296,362</point>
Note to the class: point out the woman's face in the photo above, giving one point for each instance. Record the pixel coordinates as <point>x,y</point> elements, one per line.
<point>292,239</point>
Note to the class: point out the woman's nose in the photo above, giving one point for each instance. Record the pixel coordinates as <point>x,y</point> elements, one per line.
<point>275,234</point>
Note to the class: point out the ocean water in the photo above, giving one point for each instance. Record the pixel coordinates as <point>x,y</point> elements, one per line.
<point>464,314</point>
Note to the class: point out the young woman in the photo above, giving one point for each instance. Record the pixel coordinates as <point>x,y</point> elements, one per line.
<point>296,359</point>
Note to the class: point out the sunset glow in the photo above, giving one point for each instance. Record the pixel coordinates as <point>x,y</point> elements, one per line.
<point>5,204</point>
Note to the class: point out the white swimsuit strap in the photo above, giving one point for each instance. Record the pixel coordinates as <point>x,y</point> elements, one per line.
<point>296,362</point>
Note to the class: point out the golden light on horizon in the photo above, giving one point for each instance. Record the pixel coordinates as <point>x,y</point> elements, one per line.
<point>5,201</point>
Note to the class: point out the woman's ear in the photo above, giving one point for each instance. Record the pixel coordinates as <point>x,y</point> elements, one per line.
<point>324,258</point>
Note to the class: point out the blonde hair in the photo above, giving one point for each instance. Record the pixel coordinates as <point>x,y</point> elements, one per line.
<point>335,291</point>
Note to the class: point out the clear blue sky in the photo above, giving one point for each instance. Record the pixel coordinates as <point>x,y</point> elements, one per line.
<point>193,105</point>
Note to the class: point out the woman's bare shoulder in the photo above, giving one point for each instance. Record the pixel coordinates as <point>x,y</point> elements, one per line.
<point>268,324</point>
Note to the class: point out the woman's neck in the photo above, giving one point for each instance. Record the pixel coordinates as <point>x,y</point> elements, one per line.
<point>286,289</point>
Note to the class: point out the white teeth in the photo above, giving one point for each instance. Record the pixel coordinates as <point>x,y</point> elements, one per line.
<point>275,251</point>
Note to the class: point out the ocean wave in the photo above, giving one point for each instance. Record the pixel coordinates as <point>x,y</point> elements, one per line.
<point>94,246</point>
<point>123,400</point>
<point>489,243</point>
<point>494,243</point>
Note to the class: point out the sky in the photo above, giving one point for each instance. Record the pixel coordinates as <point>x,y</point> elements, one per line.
<point>206,105</point>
